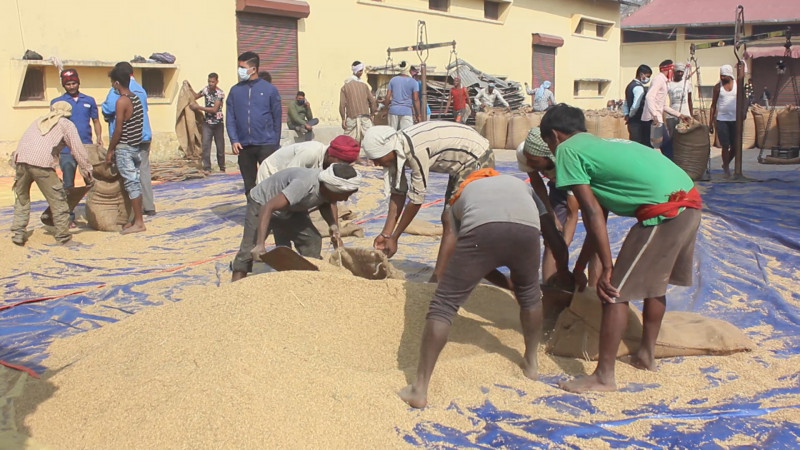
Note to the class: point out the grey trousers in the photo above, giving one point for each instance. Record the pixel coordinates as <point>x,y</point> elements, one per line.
<point>214,133</point>
<point>47,181</point>
<point>297,228</point>
<point>145,177</point>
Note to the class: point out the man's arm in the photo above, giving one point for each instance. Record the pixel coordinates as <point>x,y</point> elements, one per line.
<point>373,104</point>
<point>275,109</point>
<point>388,99</point>
<point>713,117</point>
<point>73,141</point>
<point>691,106</point>
<point>330,213</point>
<point>343,106</point>
<point>264,215</point>
<point>638,98</point>
<point>230,124</point>
<point>597,236</point>
<point>124,110</point>
<point>541,190</point>
<point>447,106</point>
<point>555,242</point>
<point>415,105</point>
<point>502,100</point>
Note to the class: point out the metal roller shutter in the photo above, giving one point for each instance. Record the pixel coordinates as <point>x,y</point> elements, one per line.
<point>275,40</point>
<point>544,66</point>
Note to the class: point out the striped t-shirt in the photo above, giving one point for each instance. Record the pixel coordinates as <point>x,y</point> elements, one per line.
<point>436,146</point>
<point>132,128</point>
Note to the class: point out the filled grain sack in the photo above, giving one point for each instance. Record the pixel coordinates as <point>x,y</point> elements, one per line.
<point>577,332</point>
<point>107,206</point>
<point>592,122</point>
<point>789,126</point>
<point>365,263</point>
<point>534,119</point>
<point>749,132</point>
<point>346,226</point>
<point>620,127</point>
<point>497,129</point>
<point>517,131</point>
<point>764,130</point>
<point>691,146</point>
<point>480,122</point>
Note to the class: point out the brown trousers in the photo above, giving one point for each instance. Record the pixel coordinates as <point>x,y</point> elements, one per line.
<point>50,185</point>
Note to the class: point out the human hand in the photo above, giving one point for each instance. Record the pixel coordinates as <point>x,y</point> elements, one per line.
<point>257,251</point>
<point>391,247</point>
<point>87,177</point>
<point>711,128</point>
<point>580,280</point>
<point>563,279</point>
<point>379,243</point>
<point>236,148</point>
<point>308,127</point>
<point>627,118</point>
<point>194,106</point>
<point>336,237</point>
<point>100,141</point>
<point>110,157</point>
<point>344,124</point>
<point>685,118</point>
<point>605,290</point>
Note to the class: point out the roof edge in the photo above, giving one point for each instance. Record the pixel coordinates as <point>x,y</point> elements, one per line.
<point>707,24</point>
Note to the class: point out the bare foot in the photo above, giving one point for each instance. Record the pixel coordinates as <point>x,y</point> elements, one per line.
<point>433,279</point>
<point>72,224</point>
<point>133,229</point>
<point>414,399</point>
<point>644,360</point>
<point>127,225</point>
<point>727,171</point>
<point>586,384</point>
<point>531,371</point>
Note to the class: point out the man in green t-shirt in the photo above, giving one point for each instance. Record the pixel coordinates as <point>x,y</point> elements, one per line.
<point>630,180</point>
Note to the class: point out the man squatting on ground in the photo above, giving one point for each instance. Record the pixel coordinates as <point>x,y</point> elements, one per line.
<point>124,146</point>
<point>34,163</point>
<point>280,204</point>
<point>442,147</point>
<point>629,180</point>
<point>254,119</point>
<point>497,218</point>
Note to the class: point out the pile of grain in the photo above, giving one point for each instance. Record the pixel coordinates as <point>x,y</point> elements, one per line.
<point>315,358</point>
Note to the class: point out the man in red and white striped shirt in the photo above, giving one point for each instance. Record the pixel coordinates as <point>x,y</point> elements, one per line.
<point>35,161</point>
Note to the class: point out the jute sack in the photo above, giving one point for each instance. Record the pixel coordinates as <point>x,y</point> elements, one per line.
<point>365,263</point>
<point>517,131</point>
<point>497,129</point>
<point>691,146</point>
<point>577,332</point>
<point>592,122</point>
<point>534,119</point>
<point>480,122</point>
<point>789,126</point>
<point>749,132</point>
<point>621,128</point>
<point>606,126</point>
<point>761,116</point>
<point>107,208</point>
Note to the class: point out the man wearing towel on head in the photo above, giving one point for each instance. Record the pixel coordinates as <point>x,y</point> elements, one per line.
<point>280,204</point>
<point>442,147</point>
<point>356,104</point>
<point>311,155</point>
<point>34,163</point>
<point>489,97</point>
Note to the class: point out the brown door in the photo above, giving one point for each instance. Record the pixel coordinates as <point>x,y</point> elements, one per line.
<point>544,66</point>
<point>275,40</point>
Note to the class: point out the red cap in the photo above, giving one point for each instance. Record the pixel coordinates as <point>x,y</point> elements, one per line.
<point>344,148</point>
<point>68,75</point>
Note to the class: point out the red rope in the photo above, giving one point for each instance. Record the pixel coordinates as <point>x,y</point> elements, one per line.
<point>20,367</point>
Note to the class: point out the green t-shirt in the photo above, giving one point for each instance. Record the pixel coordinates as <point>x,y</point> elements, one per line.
<point>622,174</point>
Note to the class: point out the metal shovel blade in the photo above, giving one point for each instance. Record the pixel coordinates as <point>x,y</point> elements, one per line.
<point>284,258</point>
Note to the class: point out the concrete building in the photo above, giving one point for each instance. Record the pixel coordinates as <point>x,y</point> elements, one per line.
<point>665,29</point>
<point>304,45</point>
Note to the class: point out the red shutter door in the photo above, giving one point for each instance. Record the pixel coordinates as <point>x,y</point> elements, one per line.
<point>275,40</point>
<point>544,66</point>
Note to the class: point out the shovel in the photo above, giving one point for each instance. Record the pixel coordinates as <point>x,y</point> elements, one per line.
<point>74,196</point>
<point>284,258</point>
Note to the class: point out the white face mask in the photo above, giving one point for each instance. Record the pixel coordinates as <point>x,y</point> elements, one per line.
<point>646,80</point>
<point>243,73</point>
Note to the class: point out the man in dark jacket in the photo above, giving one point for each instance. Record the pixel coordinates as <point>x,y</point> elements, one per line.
<point>638,131</point>
<point>254,119</point>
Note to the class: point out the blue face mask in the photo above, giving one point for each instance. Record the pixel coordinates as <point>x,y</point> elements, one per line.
<point>243,73</point>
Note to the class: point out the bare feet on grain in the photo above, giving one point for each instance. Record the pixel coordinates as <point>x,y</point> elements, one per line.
<point>414,398</point>
<point>589,383</point>
<point>130,229</point>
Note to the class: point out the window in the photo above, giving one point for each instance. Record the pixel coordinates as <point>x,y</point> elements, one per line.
<point>590,87</point>
<point>649,35</point>
<point>706,91</point>
<point>153,82</point>
<point>709,32</point>
<point>591,27</point>
<point>439,5</point>
<point>33,85</point>
<point>491,10</point>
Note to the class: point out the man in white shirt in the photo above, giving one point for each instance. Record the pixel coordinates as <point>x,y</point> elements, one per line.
<point>489,97</point>
<point>679,90</point>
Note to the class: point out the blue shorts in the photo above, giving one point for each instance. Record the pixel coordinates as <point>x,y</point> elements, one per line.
<point>128,160</point>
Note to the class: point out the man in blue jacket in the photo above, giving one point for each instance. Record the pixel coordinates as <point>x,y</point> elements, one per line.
<point>109,109</point>
<point>254,119</point>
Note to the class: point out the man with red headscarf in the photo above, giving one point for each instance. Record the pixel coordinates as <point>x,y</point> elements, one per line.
<point>311,155</point>
<point>656,103</point>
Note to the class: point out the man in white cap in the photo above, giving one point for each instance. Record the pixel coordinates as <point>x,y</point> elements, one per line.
<point>535,158</point>
<point>34,163</point>
<point>402,98</point>
<point>679,90</point>
<point>280,204</point>
<point>357,105</point>
<point>443,147</point>
<point>489,97</point>
<point>723,115</point>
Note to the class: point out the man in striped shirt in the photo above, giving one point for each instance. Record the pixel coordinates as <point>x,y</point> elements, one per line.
<point>356,105</point>
<point>443,147</point>
<point>124,147</point>
<point>34,162</point>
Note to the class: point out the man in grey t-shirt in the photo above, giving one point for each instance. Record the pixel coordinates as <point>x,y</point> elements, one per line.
<point>497,219</point>
<point>281,203</point>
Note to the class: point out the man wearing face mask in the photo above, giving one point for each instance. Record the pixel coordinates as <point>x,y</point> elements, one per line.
<point>656,103</point>
<point>300,119</point>
<point>254,119</point>
<point>723,111</point>
<point>638,131</point>
<point>84,110</point>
